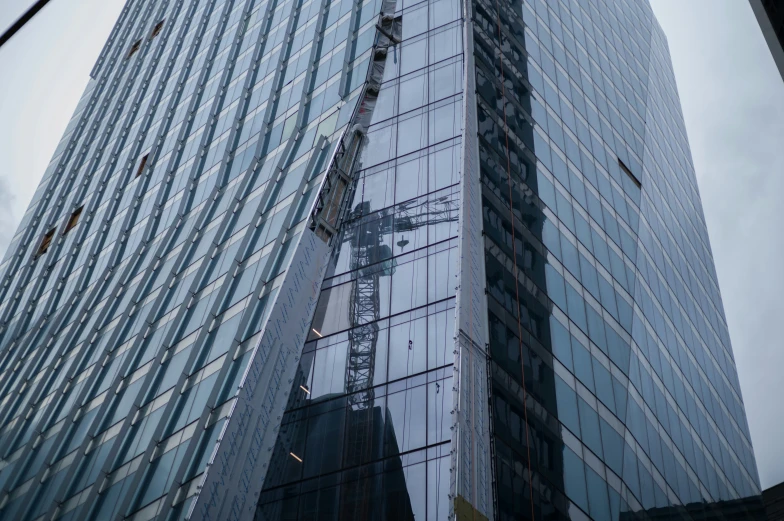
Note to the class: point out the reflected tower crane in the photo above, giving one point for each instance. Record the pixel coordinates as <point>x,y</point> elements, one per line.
<point>367,250</point>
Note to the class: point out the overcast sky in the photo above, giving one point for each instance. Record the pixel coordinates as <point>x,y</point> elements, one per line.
<point>733,102</point>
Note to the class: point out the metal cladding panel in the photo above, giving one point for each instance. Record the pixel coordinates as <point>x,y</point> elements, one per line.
<point>233,479</point>
<point>472,304</point>
<point>471,455</point>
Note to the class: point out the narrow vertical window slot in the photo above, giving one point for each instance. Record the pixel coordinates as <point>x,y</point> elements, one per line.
<point>45,242</point>
<point>629,173</point>
<point>157,29</point>
<point>73,220</point>
<point>142,164</point>
<point>134,48</point>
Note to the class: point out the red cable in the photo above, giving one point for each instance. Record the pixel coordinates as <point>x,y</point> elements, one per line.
<point>514,258</point>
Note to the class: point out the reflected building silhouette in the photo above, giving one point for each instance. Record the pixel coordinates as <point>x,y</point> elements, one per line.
<point>528,446</point>
<point>372,486</point>
<point>342,447</point>
<point>585,423</point>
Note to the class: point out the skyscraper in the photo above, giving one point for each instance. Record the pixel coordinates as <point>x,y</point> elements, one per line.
<point>370,260</point>
<point>770,15</point>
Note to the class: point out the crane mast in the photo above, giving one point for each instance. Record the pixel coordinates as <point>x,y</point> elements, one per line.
<point>367,248</point>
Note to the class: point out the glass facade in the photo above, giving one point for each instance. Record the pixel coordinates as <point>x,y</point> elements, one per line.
<point>370,412</point>
<point>613,381</point>
<point>371,259</point>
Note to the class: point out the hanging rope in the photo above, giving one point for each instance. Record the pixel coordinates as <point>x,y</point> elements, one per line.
<point>467,371</point>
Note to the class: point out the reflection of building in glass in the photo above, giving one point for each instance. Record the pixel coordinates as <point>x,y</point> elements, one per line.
<point>340,422</point>
<point>338,259</point>
<point>613,380</point>
<point>335,437</point>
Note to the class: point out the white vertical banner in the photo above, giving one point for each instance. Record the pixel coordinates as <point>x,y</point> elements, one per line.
<point>235,474</point>
<point>472,479</point>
